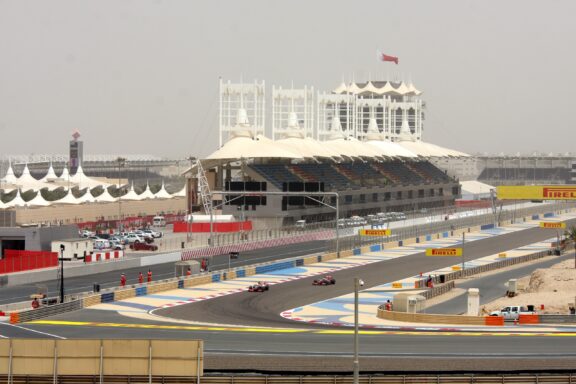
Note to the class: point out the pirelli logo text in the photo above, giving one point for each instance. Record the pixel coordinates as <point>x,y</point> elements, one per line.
<point>552,225</point>
<point>536,192</point>
<point>552,193</point>
<point>375,232</point>
<point>444,252</point>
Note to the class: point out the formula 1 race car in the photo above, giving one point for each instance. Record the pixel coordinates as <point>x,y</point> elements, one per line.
<point>260,287</point>
<point>326,280</point>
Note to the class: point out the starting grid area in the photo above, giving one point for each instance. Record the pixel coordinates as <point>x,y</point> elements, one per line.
<point>336,311</point>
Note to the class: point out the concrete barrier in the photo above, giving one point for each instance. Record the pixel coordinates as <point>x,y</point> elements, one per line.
<point>436,319</point>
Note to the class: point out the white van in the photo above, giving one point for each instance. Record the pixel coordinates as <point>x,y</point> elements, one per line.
<point>301,224</point>
<point>159,221</point>
<point>100,244</point>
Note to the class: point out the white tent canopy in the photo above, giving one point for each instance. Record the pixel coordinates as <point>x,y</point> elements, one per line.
<point>131,195</point>
<point>147,194</point>
<point>68,199</point>
<point>50,175</point>
<point>247,147</point>
<point>10,177</point>
<point>307,147</point>
<point>389,149</point>
<point>83,181</point>
<point>17,201</point>
<point>26,181</point>
<point>181,193</point>
<point>162,193</point>
<point>86,197</point>
<point>38,201</point>
<point>105,197</point>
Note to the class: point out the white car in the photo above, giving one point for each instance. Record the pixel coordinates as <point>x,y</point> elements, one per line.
<point>143,234</point>
<point>134,238</point>
<point>154,234</point>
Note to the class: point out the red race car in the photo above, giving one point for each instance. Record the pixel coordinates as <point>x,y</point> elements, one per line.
<point>260,287</point>
<point>326,280</point>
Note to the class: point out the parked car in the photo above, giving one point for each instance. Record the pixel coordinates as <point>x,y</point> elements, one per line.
<point>143,246</point>
<point>116,245</point>
<point>143,234</point>
<point>153,233</point>
<point>513,312</point>
<point>133,238</point>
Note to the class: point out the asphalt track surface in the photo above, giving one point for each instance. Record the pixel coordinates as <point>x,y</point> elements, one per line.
<point>254,309</point>
<point>160,271</point>
<point>306,348</point>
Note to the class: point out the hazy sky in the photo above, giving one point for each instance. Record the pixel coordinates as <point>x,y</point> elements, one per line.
<point>141,76</point>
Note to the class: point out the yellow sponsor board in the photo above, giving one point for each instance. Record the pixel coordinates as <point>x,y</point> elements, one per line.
<point>396,285</point>
<point>456,268</point>
<point>444,252</point>
<point>375,232</point>
<point>502,255</point>
<point>536,192</point>
<point>552,224</point>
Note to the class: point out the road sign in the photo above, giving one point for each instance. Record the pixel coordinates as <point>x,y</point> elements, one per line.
<point>552,224</point>
<point>444,252</point>
<point>375,232</point>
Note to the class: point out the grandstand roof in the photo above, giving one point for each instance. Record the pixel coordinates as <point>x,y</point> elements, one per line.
<point>390,149</point>
<point>246,147</point>
<point>378,87</point>
<point>308,147</point>
<point>424,149</point>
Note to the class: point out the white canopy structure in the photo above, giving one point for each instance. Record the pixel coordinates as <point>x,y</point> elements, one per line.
<point>105,197</point>
<point>246,147</point>
<point>162,193</point>
<point>147,194</point>
<point>65,176</point>
<point>17,201</point>
<point>307,147</point>
<point>475,190</point>
<point>86,197</point>
<point>50,175</point>
<point>10,177</point>
<point>26,182</point>
<point>389,149</point>
<point>424,149</point>
<point>38,201</point>
<point>83,181</point>
<point>351,147</point>
<point>181,193</point>
<point>131,195</point>
<point>379,88</point>
<point>68,199</point>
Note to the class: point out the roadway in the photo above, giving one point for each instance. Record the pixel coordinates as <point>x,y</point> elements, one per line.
<point>79,284</point>
<point>308,348</point>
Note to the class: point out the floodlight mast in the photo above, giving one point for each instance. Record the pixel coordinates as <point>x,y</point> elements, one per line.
<point>304,194</point>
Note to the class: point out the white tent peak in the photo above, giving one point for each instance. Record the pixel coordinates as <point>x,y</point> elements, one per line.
<point>38,201</point>
<point>17,201</point>
<point>181,193</point>
<point>147,194</point>
<point>10,177</point>
<point>50,175</point>
<point>163,193</point>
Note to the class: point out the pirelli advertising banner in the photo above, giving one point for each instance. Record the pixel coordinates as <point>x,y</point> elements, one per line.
<point>552,225</point>
<point>536,192</point>
<point>375,232</point>
<point>444,252</point>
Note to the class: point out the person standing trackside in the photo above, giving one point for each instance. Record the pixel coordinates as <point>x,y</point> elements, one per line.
<point>189,272</point>
<point>35,303</point>
<point>388,305</point>
<point>149,276</point>
<point>140,278</point>
<point>122,280</point>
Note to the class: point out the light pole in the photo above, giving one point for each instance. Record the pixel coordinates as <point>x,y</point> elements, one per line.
<point>121,163</point>
<point>62,247</point>
<point>357,284</point>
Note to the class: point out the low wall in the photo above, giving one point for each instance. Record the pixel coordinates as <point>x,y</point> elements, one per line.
<point>101,357</point>
<point>439,319</point>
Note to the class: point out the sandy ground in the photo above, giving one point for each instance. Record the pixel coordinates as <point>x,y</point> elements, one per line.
<point>553,287</point>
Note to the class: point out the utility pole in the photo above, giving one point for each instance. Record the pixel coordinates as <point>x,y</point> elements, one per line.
<point>61,281</point>
<point>357,284</point>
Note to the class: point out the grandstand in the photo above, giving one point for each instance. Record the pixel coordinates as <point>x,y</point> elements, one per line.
<point>362,141</point>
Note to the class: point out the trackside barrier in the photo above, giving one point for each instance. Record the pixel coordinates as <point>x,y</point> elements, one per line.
<point>103,256</point>
<point>95,357</point>
<point>281,378</point>
<point>45,311</point>
<point>438,319</point>
<point>557,319</point>
<point>528,319</point>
